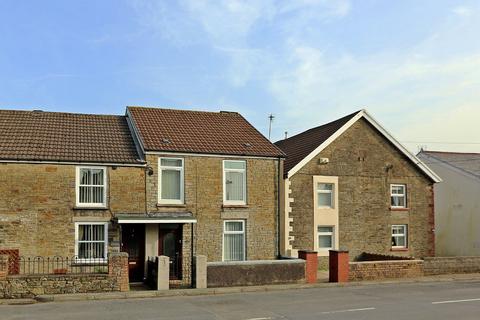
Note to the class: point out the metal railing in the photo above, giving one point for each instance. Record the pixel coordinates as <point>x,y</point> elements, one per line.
<point>60,265</point>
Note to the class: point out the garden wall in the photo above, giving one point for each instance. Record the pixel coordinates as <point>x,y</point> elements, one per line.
<point>257,272</point>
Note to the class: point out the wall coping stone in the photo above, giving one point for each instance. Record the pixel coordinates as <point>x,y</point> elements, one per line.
<point>385,262</point>
<point>253,262</point>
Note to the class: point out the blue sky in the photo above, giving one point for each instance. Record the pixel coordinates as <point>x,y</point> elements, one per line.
<point>415,65</point>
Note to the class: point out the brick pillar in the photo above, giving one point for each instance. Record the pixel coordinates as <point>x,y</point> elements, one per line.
<point>3,266</point>
<point>118,268</point>
<point>338,266</point>
<point>311,264</point>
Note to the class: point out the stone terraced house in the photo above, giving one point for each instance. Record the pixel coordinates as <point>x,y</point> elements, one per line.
<point>152,182</point>
<point>211,177</point>
<point>350,185</point>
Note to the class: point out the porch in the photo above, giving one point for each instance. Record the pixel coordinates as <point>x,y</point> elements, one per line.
<point>158,234</point>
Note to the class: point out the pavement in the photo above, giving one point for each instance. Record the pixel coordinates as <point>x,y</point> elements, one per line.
<point>321,283</point>
<point>454,298</point>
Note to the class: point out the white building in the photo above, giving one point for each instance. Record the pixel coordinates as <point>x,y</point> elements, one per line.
<point>457,202</point>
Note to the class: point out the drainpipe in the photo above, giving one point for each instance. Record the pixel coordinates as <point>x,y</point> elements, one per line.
<point>279,181</point>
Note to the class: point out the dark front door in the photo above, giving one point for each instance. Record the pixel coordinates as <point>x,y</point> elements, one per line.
<point>170,245</point>
<point>133,243</point>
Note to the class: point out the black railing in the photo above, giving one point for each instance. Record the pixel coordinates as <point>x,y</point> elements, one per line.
<point>60,265</point>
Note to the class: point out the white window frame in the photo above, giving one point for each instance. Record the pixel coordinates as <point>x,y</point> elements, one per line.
<point>404,195</point>
<point>77,188</point>
<point>405,235</point>
<point>234,232</point>
<point>331,234</point>
<point>331,192</point>
<point>77,242</point>
<point>182,181</point>
<point>244,171</point>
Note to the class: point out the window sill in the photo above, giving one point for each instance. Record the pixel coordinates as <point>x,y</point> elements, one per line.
<point>399,209</point>
<point>89,208</point>
<point>171,205</point>
<point>399,249</point>
<point>235,206</point>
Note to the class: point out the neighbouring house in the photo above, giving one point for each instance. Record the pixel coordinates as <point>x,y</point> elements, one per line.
<point>213,188</point>
<point>350,185</point>
<point>63,176</point>
<point>457,202</point>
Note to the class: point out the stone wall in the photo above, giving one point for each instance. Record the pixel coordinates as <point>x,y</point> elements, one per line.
<point>204,198</point>
<point>250,273</point>
<point>359,158</point>
<point>37,206</point>
<point>447,265</point>
<point>29,286</point>
<point>15,287</point>
<point>377,270</point>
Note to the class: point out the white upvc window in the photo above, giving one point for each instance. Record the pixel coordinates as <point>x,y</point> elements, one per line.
<point>398,195</point>
<point>233,240</point>
<point>326,237</point>
<point>91,241</point>
<point>234,182</point>
<point>325,195</point>
<point>171,180</point>
<point>91,187</point>
<point>399,236</point>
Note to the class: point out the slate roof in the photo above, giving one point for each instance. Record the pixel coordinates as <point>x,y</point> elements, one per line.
<point>226,133</point>
<point>69,137</point>
<point>299,146</point>
<point>468,162</point>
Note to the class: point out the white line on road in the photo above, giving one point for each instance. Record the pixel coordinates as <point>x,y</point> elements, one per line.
<point>455,301</point>
<point>260,318</point>
<point>348,310</point>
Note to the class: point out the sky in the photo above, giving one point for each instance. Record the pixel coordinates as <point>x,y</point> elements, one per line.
<point>414,65</point>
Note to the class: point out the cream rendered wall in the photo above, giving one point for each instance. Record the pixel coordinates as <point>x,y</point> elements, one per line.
<point>325,216</point>
<point>457,211</point>
<point>151,241</point>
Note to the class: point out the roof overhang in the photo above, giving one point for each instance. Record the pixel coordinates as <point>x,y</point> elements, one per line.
<point>157,217</point>
<point>364,114</point>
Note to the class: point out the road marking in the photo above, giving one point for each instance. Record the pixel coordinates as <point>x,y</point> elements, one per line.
<point>348,310</point>
<point>269,318</point>
<point>455,301</point>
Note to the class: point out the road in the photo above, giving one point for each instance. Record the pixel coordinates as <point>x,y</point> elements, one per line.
<point>439,300</point>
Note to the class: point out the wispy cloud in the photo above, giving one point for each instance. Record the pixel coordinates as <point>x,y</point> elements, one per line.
<point>463,11</point>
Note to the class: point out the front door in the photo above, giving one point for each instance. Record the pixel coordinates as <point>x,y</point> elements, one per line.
<point>133,243</point>
<point>170,245</point>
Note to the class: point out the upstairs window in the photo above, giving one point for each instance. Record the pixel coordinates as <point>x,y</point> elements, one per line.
<point>399,236</point>
<point>234,182</point>
<point>325,195</point>
<point>91,241</point>
<point>398,195</point>
<point>233,240</point>
<point>91,185</point>
<point>170,176</point>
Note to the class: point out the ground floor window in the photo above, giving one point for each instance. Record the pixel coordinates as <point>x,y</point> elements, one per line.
<point>233,240</point>
<point>399,236</point>
<point>326,238</point>
<point>91,240</point>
